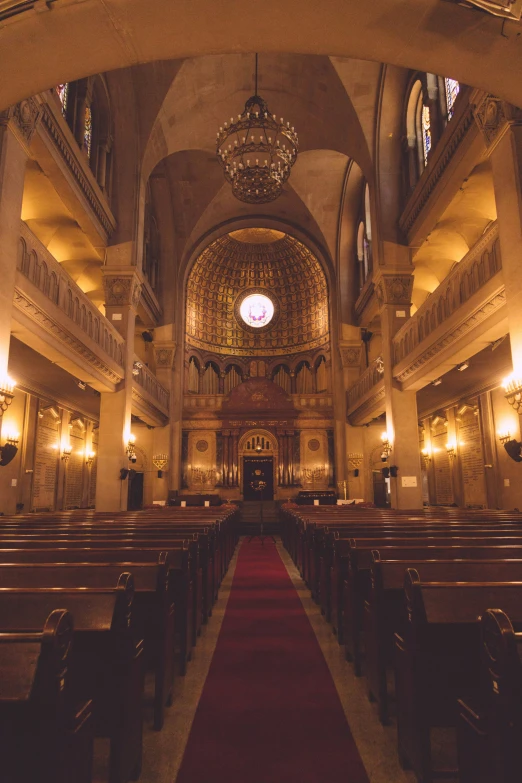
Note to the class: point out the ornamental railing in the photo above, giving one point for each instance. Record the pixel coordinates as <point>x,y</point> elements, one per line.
<point>37,264</point>
<point>146,379</point>
<point>467,277</point>
<point>366,382</point>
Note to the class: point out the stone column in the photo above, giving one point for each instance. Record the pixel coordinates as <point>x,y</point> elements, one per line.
<point>393,289</point>
<point>501,127</point>
<point>122,286</point>
<point>164,355</point>
<point>17,127</point>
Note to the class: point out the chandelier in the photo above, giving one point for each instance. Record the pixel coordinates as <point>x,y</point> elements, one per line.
<point>257,152</point>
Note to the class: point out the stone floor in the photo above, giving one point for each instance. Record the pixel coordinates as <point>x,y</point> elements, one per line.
<point>163,750</point>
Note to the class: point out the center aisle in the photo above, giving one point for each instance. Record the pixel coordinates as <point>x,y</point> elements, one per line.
<point>269,711</point>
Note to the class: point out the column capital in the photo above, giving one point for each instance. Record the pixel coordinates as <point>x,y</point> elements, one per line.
<point>164,354</point>
<point>394,288</point>
<point>350,352</point>
<point>122,286</point>
<point>23,119</point>
<point>493,117</point>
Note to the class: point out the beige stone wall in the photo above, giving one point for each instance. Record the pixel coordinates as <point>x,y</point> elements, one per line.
<point>202,461</point>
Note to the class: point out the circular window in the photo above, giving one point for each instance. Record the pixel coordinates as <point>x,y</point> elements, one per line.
<point>257,310</point>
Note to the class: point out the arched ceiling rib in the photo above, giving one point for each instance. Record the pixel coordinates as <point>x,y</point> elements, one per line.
<point>80,37</point>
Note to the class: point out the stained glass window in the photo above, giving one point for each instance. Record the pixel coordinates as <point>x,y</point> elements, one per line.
<point>62,90</point>
<point>426,132</point>
<point>257,310</point>
<point>452,90</point>
<point>87,132</point>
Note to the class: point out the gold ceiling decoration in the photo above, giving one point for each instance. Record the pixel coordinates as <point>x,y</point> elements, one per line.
<point>284,270</point>
<point>257,236</point>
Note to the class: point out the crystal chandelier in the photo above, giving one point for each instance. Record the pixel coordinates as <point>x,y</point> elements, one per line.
<point>257,152</point>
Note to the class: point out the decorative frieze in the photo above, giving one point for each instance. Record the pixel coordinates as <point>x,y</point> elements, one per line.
<point>493,117</point>
<point>121,287</point>
<point>164,354</point>
<point>23,119</point>
<point>394,289</point>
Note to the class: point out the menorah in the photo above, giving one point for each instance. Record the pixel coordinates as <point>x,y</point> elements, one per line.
<point>313,476</point>
<point>203,477</point>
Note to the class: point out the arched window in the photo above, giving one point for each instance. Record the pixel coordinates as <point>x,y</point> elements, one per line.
<point>364,238</point>
<point>62,91</point>
<point>419,125</point>
<point>87,131</point>
<point>452,89</point>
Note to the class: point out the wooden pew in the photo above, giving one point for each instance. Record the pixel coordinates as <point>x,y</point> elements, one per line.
<point>106,661</point>
<point>437,659</point>
<point>385,612</point>
<point>152,609</point>
<point>43,735</point>
<point>489,729</point>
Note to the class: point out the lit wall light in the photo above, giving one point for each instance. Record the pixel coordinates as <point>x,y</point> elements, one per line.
<point>386,446</point>
<point>66,453</point>
<point>9,449</point>
<point>436,382</point>
<point>504,436</point>
<point>130,448</point>
<point>426,457</point>
<point>463,366</point>
<point>7,386</point>
<point>451,448</point>
<point>89,457</point>
<point>513,389</point>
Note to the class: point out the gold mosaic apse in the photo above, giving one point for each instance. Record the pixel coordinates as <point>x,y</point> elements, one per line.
<point>284,269</point>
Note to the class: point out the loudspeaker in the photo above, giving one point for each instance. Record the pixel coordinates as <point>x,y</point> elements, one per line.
<point>513,448</point>
<point>386,472</point>
<point>356,472</point>
<point>393,471</point>
<point>123,474</point>
<point>8,453</point>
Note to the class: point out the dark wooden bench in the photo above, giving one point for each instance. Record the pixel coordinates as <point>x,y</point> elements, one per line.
<point>44,734</point>
<point>385,613</point>
<point>106,662</point>
<point>489,729</point>
<point>437,660</point>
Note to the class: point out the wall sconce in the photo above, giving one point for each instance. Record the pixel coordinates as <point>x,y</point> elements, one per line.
<point>513,388</point>
<point>6,393</point>
<point>66,453</point>
<point>136,367</point>
<point>386,446</point>
<point>9,449</point>
<point>504,436</point>
<point>426,457</point>
<point>130,450</point>
<point>451,448</point>
<point>89,457</point>
<point>160,462</point>
<point>463,366</point>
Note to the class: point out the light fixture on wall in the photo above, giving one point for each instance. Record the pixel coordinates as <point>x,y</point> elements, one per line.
<point>256,152</point>
<point>81,385</point>
<point>426,457</point>
<point>89,457</point>
<point>513,388</point>
<point>136,367</point>
<point>451,448</point>
<point>130,448</point>
<point>9,449</point>
<point>504,436</point>
<point>386,446</point>
<point>66,453</point>
<point>462,366</point>
<point>7,386</point>
<point>436,382</point>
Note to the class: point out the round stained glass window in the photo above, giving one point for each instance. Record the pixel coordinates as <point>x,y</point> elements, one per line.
<point>257,310</point>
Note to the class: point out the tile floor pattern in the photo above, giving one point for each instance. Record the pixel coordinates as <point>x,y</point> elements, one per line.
<point>163,751</point>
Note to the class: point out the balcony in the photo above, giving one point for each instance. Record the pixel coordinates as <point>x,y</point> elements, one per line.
<point>468,306</point>
<point>365,399</point>
<point>150,400</point>
<point>54,316</point>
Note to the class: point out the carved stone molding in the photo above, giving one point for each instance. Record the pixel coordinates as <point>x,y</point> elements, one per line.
<point>351,355</point>
<point>121,288</point>
<point>164,354</point>
<point>369,407</point>
<point>23,118</point>
<point>486,310</point>
<point>30,309</point>
<point>494,117</point>
<point>394,289</point>
<point>147,407</point>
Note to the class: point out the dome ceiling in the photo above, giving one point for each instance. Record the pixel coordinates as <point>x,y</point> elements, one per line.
<point>264,262</point>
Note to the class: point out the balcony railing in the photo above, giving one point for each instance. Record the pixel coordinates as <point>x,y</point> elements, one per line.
<point>477,267</point>
<point>372,376</point>
<point>146,379</point>
<point>37,264</point>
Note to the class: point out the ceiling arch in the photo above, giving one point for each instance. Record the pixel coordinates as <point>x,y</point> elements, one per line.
<point>81,37</point>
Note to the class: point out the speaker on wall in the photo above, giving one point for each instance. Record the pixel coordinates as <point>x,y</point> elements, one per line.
<point>513,448</point>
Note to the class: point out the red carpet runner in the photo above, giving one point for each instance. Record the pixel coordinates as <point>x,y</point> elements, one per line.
<point>269,711</point>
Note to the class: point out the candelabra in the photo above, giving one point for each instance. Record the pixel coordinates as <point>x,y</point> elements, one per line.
<point>6,393</point>
<point>89,457</point>
<point>66,453</point>
<point>160,462</point>
<point>451,448</point>
<point>426,457</point>
<point>386,446</point>
<point>130,448</point>
<point>513,389</point>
